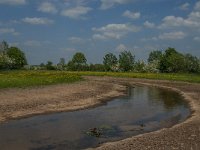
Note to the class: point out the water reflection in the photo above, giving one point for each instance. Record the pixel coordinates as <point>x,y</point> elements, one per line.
<point>144,109</point>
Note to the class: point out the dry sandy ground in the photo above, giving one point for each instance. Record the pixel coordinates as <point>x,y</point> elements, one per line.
<point>17,103</point>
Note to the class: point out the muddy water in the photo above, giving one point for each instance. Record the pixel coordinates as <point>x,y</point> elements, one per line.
<point>144,109</point>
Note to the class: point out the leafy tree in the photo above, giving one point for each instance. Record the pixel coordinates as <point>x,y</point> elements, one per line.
<point>71,66</point>
<point>172,61</point>
<point>78,62</point>
<point>79,59</point>
<point>139,66</point>
<point>110,61</point>
<point>191,63</point>
<point>96,67</point>
<point>49,65</point>
<point>126,61</point>
<point>155,56</point>
<point>5,61</point>
<point>18,57</point>
<point>42,66</point>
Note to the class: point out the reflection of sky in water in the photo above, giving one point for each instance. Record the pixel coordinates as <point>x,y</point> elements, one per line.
<point>144,109</point>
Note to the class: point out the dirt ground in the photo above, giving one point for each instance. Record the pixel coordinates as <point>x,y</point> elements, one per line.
<point>17,103</point>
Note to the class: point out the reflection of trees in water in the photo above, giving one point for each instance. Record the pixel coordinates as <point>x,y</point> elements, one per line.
<point>168,98</point>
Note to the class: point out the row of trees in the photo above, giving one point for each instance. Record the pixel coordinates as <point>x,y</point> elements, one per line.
<point>11,57</point>
<point>168,61</point>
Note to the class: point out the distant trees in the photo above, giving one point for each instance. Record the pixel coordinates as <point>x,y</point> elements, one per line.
<point>78,62</point>
<point>49,65</point>
<point>126,61</point>
<point>192,64</point>
<point>61,64</point>
<point>168,61</point>
<point>11,57</point>
<point>110,62</point>
<point>155,56</point>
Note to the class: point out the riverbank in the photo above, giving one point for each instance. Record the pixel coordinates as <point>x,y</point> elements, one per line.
<point>25,102</point>
<point>182,136</point>
<point>18,103</point>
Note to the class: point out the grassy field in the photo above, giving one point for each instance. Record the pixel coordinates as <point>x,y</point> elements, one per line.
<point>37,78</point>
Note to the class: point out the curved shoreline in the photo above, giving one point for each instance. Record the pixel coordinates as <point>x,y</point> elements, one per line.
<point>96,90</point>
<point>184,135</point>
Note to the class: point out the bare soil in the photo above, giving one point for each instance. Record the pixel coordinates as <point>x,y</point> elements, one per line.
<point>17,103</point>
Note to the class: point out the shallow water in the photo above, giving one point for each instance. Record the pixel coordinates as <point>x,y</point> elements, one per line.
<point>144,109</point>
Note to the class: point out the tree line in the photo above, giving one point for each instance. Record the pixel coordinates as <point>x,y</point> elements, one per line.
<point>168,61</point>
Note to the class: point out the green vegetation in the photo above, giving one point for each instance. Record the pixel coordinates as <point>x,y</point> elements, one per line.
<point>163,65</point>
<point>11,57</point>
<point>35,78</point>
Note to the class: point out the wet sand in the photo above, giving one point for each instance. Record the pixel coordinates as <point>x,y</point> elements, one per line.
<point>17,103</point>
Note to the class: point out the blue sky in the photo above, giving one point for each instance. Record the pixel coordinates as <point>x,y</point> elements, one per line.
<point>51,29</point>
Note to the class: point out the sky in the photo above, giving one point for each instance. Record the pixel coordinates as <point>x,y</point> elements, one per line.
<point>53,29</point>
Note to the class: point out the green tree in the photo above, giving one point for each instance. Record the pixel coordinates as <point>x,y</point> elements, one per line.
<point>191,63</point>
<point>96,67</point>
<point>18,57</point>
<point>78,62</point>
<point>155,56</point>
<point>110,61</point>
<point>79,59</point>
<point>139,66</point>
<point>126,61</point>
<point>49,65</point>
<point>172,61</point>
<point>5,61</point>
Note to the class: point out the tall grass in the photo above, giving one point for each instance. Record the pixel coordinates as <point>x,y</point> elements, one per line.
<point>37,78</point>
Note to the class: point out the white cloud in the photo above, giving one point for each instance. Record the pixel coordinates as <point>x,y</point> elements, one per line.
<point>197,6</point>
<point>197,38</point>
<point>192,20</point>
<point>114,31</point>
<point>37,21</point>
<point>121,47</point>
<point>184,6</point>
<point>76,12</point>
<point>131,15</point>
<point>149,24</point>
<point>99,37</point>
<point>13,2</point>
<point>77,40</point>
<point>172,36</point>
<point>106,4</point>
<point>47,7</point>
<point>8,31</point>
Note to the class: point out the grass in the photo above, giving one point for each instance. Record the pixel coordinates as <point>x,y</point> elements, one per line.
<point>23,79</point>
<point>35,78</point>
